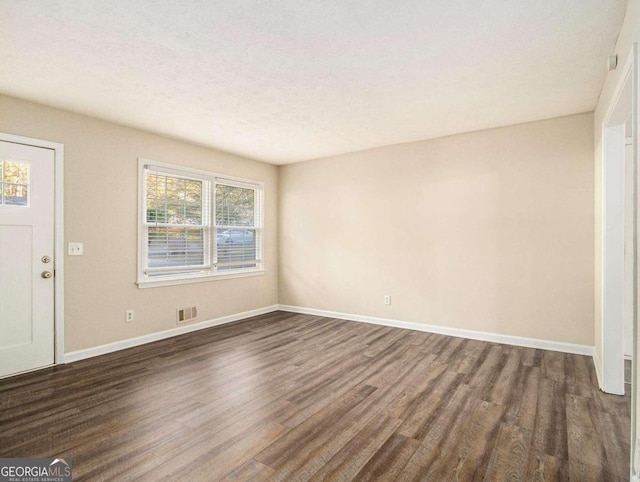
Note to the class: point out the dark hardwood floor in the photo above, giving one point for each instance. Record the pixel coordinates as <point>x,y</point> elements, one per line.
<point>296,397</point>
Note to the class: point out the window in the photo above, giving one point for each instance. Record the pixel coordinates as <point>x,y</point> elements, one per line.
<point>14,183</point>
<point>197,225</point>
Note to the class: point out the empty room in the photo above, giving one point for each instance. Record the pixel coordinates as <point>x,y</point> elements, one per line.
<point>305,240</point>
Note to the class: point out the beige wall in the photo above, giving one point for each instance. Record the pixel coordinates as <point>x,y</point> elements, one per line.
<point>488,231</point>
<point>101,196</point>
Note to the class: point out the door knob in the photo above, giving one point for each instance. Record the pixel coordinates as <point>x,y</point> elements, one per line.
<point>46,259</point>
<point>46,274</point>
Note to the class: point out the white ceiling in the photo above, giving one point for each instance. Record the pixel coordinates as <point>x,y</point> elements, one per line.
<point>285,81</point>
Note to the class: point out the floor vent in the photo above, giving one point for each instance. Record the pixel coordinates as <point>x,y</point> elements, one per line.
<point>187,314</point>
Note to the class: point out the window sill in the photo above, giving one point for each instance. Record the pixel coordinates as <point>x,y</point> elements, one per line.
<point>199,278</point>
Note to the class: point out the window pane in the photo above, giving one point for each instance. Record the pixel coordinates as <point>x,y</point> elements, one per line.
<point>174,200</point>
<point>175,212</point>
<point>236,248</point>
<point>234,206</point>
<point>171,246</point>
<point>14,183</point>
<point>156,212</point>
<point>16,194</point>
<point>16,172</point>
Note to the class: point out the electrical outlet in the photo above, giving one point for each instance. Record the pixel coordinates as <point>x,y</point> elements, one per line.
<point>128,316</point>
<point>387,299</point>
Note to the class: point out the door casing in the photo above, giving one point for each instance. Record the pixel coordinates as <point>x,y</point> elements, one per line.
<point>609,361</point>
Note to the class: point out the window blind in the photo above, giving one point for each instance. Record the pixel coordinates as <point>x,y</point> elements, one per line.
<point>177,222</point>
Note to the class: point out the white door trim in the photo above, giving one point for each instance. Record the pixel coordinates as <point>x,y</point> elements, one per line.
<point>611,356</point>
<point>613,260</point>
<point>58,316</point>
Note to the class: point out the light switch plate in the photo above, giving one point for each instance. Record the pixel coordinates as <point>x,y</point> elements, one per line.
<point>76,249</point>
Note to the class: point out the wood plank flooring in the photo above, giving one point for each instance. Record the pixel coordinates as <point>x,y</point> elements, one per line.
<point>297,397</point>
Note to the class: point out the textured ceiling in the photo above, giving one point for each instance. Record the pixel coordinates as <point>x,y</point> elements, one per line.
<point>285,81</point>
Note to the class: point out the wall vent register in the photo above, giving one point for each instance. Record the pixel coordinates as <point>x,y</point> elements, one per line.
<point>187,314</point>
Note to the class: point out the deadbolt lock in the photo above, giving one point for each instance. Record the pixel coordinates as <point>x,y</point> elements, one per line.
<point>46,274</point>
<point>46,259</point>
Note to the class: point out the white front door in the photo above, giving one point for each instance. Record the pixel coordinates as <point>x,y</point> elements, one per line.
<point>26,257</point>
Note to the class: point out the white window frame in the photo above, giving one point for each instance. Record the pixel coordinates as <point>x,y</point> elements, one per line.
<point>208,273</point>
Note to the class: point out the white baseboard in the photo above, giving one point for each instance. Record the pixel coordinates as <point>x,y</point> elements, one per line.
<point>596,366</point>
<point>161,335</point>
<point>457,332</point>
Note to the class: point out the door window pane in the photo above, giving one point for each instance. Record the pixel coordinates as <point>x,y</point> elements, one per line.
<point>14,183</point>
